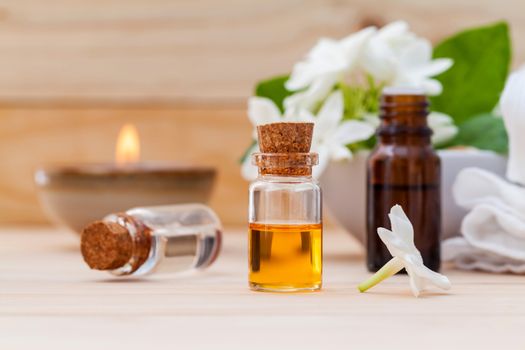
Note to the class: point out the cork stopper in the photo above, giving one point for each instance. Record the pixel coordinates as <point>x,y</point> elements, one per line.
<point>109,246</point>
<point>285,149</point>
<point>106,245</point>
<point>285,137</point>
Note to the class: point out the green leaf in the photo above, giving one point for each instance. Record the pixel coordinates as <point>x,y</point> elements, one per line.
<point>484,131</point>
<point>481,65</point>
<point>274,89</point>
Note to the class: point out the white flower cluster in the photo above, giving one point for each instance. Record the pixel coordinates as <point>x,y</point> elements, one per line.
<point>391,56</point>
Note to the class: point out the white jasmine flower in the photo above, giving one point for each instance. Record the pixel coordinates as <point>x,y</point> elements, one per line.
<point>397,57</point>
<point>442,125</point>
<point>391,56</point>
<point>400,243</point>
<point>332,134</point>
<point>323,66</point>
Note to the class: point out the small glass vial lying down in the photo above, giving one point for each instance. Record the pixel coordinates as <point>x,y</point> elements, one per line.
<point>161,239</point>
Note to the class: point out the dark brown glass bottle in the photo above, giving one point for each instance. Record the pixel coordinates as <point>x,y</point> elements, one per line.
<point>404,169</point>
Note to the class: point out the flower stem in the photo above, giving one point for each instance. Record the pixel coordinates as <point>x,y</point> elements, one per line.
<point>389,269</point>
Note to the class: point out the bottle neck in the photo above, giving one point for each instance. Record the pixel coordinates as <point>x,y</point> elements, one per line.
<point>404,120</point>
<point>285,164</point>
<point>142,242</point>
<point>285,178</point>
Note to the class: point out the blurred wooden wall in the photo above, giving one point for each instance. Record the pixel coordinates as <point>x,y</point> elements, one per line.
<point>73,71</point>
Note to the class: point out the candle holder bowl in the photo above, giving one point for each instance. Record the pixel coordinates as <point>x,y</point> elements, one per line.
<point>74,196</point>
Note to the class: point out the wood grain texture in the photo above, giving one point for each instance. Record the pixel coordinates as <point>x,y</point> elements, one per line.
<point>50,300</point>
<point>195,50</point>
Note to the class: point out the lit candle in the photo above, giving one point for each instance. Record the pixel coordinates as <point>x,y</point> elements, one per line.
<point>76,194</point>
<point>128,145</point>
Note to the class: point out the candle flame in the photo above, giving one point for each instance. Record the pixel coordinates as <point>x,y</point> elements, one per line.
<point>128,145</point>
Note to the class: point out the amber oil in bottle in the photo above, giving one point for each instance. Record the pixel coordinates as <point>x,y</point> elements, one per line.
<point>290,253</point>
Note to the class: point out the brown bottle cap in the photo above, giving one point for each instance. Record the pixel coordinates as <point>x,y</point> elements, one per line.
<point>285,137</point>
<point>106,245</point>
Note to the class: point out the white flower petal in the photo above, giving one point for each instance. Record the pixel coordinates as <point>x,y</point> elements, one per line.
<point>397,57</point>
<point>436,119</point>
<point>353,44</point>
<point>355,40</point>
<point>324,159</point>
<point>372,119</point>
<point>379,61</point>
<point>352,131</point>
<point>401,225</point>
<point>338,153</point>
<point>393,29</point>
<point>431,86</point>
<point>444,134</point>
<point>442,126</point>
<point>416,283</point>
<point>309,98</point>
<point>248,170</point>
<point>421,277</point>
<point>301,76</point>
<point>305,116</point>
<point>380,56</point>
<point>395,244</point>
<point>262,110</point>
<point>416,54</point>
<point>331,114</point>
<point>327,57</point>
<point>435,67</point>
<point>432,277</point>
<point>512,100</point>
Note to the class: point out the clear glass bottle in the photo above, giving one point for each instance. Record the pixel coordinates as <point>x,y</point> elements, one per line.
<point>153,239</point>
<point>404,169</point>
<point>285,224</point>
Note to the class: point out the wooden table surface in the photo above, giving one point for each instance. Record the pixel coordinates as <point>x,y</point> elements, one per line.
<point>50,300</point>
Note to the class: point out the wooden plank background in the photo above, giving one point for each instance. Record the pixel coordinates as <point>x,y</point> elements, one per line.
<point>73,71</point>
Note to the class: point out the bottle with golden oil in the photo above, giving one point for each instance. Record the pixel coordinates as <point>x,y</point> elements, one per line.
<point>285,226</point>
